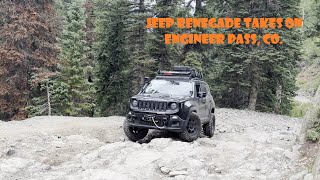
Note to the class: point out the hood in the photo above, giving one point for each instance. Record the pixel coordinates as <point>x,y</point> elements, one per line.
<point>161,97</point>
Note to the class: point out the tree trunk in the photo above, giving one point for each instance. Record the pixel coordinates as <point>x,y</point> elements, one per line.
<point>198,9</point>
<point>254,87</point>
<point>188,47</point>
<point>142,47</point>
<point>277,107</point>
<point>90,37</point>
<point>253,96</point>
<point>141,77</point>
<point>48,99</point>
<point>162,62</point>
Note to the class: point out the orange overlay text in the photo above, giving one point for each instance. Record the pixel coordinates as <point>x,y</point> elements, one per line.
<point>258,30</point>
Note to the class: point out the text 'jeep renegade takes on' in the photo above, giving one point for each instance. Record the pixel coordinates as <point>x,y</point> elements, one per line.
<point>177,101</point>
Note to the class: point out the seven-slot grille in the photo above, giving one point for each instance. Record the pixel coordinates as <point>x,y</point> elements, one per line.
<point>153,105</point>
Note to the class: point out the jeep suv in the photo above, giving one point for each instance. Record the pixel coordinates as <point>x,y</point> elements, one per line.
<point>177,101</point>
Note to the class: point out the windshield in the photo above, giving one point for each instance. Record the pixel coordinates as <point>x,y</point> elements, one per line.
<point>178,88</point>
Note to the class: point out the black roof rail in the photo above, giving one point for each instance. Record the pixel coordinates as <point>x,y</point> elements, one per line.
<point>182,68</point>
<point>181,71</point>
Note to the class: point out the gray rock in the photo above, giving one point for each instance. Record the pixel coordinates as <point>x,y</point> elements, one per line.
<point>84,155</point>
<point>218,170</point>
<point>122,138</point>
<point>308,177</point>
<point>207,142</point>
<point>222,130</point>
<point>298,176</point>
<point>177,173</point>
<point>180,177</point>
<point>10,152</point>
<point>258,169</point>
<point>165,170</point>
<point>57,144</point>
<point>290,155</point>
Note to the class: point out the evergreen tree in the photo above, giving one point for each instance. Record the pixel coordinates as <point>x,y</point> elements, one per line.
<point>90,38</point>
<point>164,54</point>
<point>72,91</point>
<point>113,73</point>
<point>316,27</point>
<point>137,35</point>
<point>197,55</point>
<point>258,77</point>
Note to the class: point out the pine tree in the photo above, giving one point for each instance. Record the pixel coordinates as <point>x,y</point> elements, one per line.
<point>138,37</point>
<point>113,72</point>
<point>72,91</point>
<point>260,77</point>
<point>197,55</point>
<point>90,38</point>
<point>316,31</point>
<point>164,54</point>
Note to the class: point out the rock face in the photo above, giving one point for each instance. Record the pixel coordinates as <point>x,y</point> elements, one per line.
<point>249,145</point>
<point>316,167</point>
<point>317,96</point>
<point>314,110</point>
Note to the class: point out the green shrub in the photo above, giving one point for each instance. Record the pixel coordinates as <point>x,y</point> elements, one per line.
<point>316,125</point>
<point>312,135</point>
<point>300,109</point>
<point>318,114</point>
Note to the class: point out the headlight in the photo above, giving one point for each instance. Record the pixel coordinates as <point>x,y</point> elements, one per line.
<point>187,104</point>
<point>134,103</point>
<point>173,106</point>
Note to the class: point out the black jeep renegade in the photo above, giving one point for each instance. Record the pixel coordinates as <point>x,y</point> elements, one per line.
<point>177,101</point>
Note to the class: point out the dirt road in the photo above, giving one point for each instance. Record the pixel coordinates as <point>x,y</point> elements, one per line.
<point>247,145</point>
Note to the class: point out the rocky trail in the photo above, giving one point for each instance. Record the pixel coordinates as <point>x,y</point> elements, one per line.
<point>247,145</point>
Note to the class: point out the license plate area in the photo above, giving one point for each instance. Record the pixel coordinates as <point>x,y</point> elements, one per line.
<point>149,118</point>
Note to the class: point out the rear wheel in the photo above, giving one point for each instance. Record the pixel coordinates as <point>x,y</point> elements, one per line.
<point>208,129</point>
<point>193,129</point>
<point>134,133</point>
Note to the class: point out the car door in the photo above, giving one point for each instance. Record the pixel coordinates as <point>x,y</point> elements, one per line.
<point>208,104</point>
<point>204,102</point>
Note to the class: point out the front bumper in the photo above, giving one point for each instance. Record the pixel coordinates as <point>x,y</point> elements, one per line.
<point>165,122</point>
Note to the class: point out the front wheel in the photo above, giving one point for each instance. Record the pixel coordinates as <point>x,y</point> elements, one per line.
<point>193,129</point>
<point>134,133</point>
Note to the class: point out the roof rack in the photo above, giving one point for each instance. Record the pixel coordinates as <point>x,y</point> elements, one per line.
<point>180,71</point>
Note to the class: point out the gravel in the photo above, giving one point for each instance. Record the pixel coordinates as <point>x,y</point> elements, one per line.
<point>247,145</point>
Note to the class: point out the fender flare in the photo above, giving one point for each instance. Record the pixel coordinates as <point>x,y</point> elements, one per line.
<point>191,110</point>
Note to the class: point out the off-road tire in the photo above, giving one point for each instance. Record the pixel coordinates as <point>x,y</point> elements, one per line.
<point>134,133</point>
<point>193,129</point>
<point>208,128</point>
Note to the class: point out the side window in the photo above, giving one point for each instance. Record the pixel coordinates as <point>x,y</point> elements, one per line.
<point>204,88</point>
<point>197,90</point>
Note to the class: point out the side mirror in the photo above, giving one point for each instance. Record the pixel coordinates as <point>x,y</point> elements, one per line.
<point>202,94</point>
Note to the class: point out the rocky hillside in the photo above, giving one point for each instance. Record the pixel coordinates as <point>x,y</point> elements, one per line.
<point>247,145</point>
